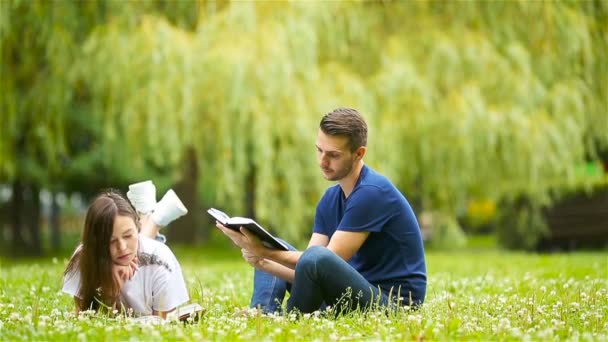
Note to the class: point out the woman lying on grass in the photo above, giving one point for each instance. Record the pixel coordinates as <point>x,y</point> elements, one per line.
<point>119,265</point>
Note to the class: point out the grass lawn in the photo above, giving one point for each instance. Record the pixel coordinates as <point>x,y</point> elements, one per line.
<point>476,294</point>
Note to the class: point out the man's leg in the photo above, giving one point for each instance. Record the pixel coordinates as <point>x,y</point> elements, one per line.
<point>268,290</point>
<point>322,276</point>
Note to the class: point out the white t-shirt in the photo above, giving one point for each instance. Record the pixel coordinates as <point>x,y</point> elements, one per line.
<point>157,285</point>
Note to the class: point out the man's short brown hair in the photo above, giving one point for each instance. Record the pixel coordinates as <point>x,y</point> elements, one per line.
<point>346,122</point>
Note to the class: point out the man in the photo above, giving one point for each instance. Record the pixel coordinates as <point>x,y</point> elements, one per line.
<point>366,248</point>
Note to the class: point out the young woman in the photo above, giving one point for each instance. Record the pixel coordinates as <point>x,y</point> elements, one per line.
<point>119,265</point>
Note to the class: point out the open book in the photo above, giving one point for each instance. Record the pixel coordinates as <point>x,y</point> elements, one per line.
<point>235,223</point>
<point>181,313</point>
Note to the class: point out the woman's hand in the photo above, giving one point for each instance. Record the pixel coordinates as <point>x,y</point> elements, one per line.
<point>124,273</point>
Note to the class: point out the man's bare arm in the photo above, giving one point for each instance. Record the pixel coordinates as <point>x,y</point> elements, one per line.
<point>318,240</point>
<point>346,244</point>
<point>277,270</point>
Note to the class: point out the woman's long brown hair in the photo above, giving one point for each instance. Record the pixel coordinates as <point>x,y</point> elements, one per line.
<point>92,259</point>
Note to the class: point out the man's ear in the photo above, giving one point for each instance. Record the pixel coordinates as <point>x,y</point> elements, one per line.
<point>361,152</point>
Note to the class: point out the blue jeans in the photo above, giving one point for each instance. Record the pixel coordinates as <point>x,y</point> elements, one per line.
<point>161,238</point>
<point>268,290</point>
<point>321,278</point>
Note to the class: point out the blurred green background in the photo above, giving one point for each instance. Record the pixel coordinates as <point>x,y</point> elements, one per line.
<point>491,117</point>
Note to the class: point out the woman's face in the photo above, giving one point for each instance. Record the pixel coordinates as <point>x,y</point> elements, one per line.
<point>124,240</point>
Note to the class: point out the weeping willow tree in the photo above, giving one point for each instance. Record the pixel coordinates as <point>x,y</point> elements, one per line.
<point>464,100</point>
<point>37,46</point>
<point>505,102</point>
<point>47,138</point>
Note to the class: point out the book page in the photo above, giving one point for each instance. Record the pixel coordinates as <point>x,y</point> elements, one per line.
<point>218,215</point>
<point>239,220</point>
<point>183,312</point>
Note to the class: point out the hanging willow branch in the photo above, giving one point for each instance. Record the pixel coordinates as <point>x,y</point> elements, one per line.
<point>486,100</point>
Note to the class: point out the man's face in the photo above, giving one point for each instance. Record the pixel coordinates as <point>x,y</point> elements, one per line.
<point>334,156</point>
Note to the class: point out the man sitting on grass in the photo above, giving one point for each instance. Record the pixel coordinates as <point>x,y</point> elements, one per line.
<point>366,248</point>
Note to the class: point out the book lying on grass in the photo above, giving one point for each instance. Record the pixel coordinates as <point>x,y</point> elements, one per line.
<point>235,223</point>
<point>182,314</point>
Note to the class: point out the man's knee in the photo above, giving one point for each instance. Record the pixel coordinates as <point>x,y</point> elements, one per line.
<point>315,256</point>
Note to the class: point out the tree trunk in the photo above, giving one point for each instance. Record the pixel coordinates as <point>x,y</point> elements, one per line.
<point>186,228</point>
<point>5,209</point>
<point>18,242</point>
<point>32,218</point>
<point>54,228</point>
